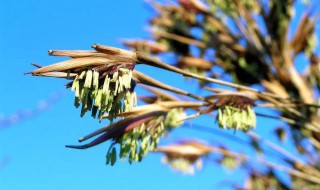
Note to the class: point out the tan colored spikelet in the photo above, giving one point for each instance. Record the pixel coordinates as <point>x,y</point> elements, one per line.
<point>161,21</point>
<point>143,110</point>
<point>223,93</point>
<point>217,24</point>
<point>199,5</point>
<point>305,29</point>
<point>275,87</point>
<point>151,46</point>
<point>158,107</point>
<point>189,148</point>
<point>148,99</point>
<point>127,121</point>
<point>157,6</point>
<point>58,74</point>
<point>115,51</point>
<point>179,38</point>
<point>72,64</point>
<point>199,63</point>
<point>76,53</point>
<point>175,104</point>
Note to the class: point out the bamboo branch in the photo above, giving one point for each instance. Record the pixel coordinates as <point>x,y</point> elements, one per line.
<point>156,63</point>
<point>179,38</point>
<point>269,164</point>
<point>309,126</point>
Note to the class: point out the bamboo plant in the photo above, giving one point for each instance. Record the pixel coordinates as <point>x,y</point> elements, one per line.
<point>251,47</point>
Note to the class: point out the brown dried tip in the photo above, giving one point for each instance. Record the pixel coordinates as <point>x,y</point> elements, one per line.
<point>222,92</point>
<point>158,107</point>
<point>148,99</point>
<point>186,149</point>
<point>82,59</point>
<point>114,51</point>
<point>76,53</point>
<point>275,87</point>
<point>240,101</point>
<point>305,29</point>
<point>194,6</point>
<point>152,47</point>
<point>57,74</point>
<point>161,21</point>
<point>314,59</point>
<point>112,131</point>
<point>141,110</point>
<point>72,64</point>
<point>194,62</point>
<point>218,24</point>
<point>180,104</point>
<point>157,6</point>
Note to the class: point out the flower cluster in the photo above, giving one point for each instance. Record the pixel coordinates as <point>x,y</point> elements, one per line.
<point>101,79</point>
<point>194,65</point>
<point>235,109</point>
<point>230,117</point>
<point>145,46</point>
<point>183,165</point>
<point>173,118</point>
<point>186,156</point>
<point>104,94</point>
<point>136,144</point>
<point>230,162</point>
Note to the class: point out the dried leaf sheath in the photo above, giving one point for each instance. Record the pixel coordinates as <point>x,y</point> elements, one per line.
<point>112,133</point>
<point>73,64</point>
<point>76,53</point>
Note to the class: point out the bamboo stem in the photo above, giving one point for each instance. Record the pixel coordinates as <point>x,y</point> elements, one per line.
<point>269,164</point>
<point>156,63</point>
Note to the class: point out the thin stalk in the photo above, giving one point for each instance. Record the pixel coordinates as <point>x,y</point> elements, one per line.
<point>290,121</point>
<point>178,38</point>
<point>269,164</point>
<point>156,63</point>
<point>270,105</point>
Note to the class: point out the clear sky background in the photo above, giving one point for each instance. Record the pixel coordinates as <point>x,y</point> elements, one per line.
<point>32,152</point>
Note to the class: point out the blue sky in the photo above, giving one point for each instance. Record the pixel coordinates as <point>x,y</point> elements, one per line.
<point>34,149</point>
